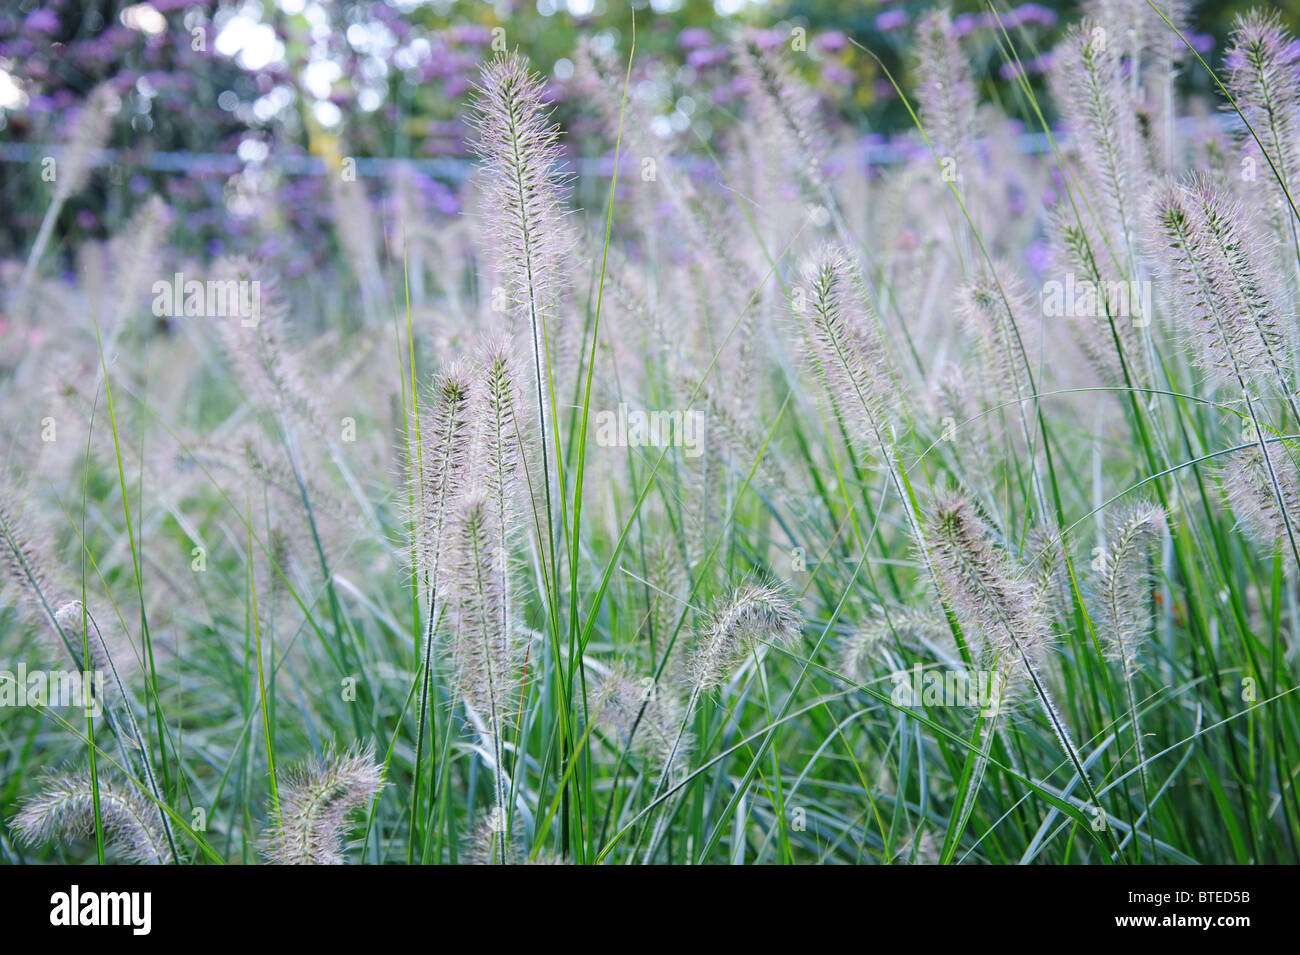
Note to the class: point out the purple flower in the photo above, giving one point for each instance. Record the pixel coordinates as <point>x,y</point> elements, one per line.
<point>470,34</point>
<point>891,20</point>
<point>836,74</point>
<point>703,58</point>
<point>41,20</point>
<point>1039,256</point>
<point>694,37</point>
<point>1036,13</point>
<point>832,41</point>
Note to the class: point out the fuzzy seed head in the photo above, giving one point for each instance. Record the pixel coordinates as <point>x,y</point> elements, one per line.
<point>946,93</point>
<point>500,438</point>
<point>1091,92</point>
<point>994,606</point>
<point>87,135</point>
<point>644,716</point>
<point>1125,584</point>
<point>1213,266</point>
<point>843,347</point>
<point>756,615</point>
<point>1252,495</point>
<point>787,111</point>
<point>993,307</point>
<point>1261,78</point>
<point>65,809</point>
<point>315,804</point>
<point>862,653</point>
<point>486,650</point>
<point>519,146</point>
<point>445,461</point>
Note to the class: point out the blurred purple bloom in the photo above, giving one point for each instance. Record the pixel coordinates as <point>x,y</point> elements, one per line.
<point>892,20</point>
<point>1037,13</point>
<point>694,37</point>
<point>470,34</point>
<point>837,74</point>
<point>1039,256</point>
<point>703,58</point>
<point>41,20</point>
<point>832,41</point>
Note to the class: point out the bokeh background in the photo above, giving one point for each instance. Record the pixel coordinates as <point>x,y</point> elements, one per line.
<point>233,112</point>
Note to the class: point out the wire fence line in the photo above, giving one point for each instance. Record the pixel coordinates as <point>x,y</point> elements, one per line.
<point>867,151</point>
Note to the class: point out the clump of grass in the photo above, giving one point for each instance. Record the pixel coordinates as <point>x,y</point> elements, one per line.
<point>578,637</point>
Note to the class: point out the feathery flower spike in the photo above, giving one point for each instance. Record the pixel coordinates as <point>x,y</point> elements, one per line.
<point>65,809</point>
<point>315,803</point>
<point>755,615</point>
